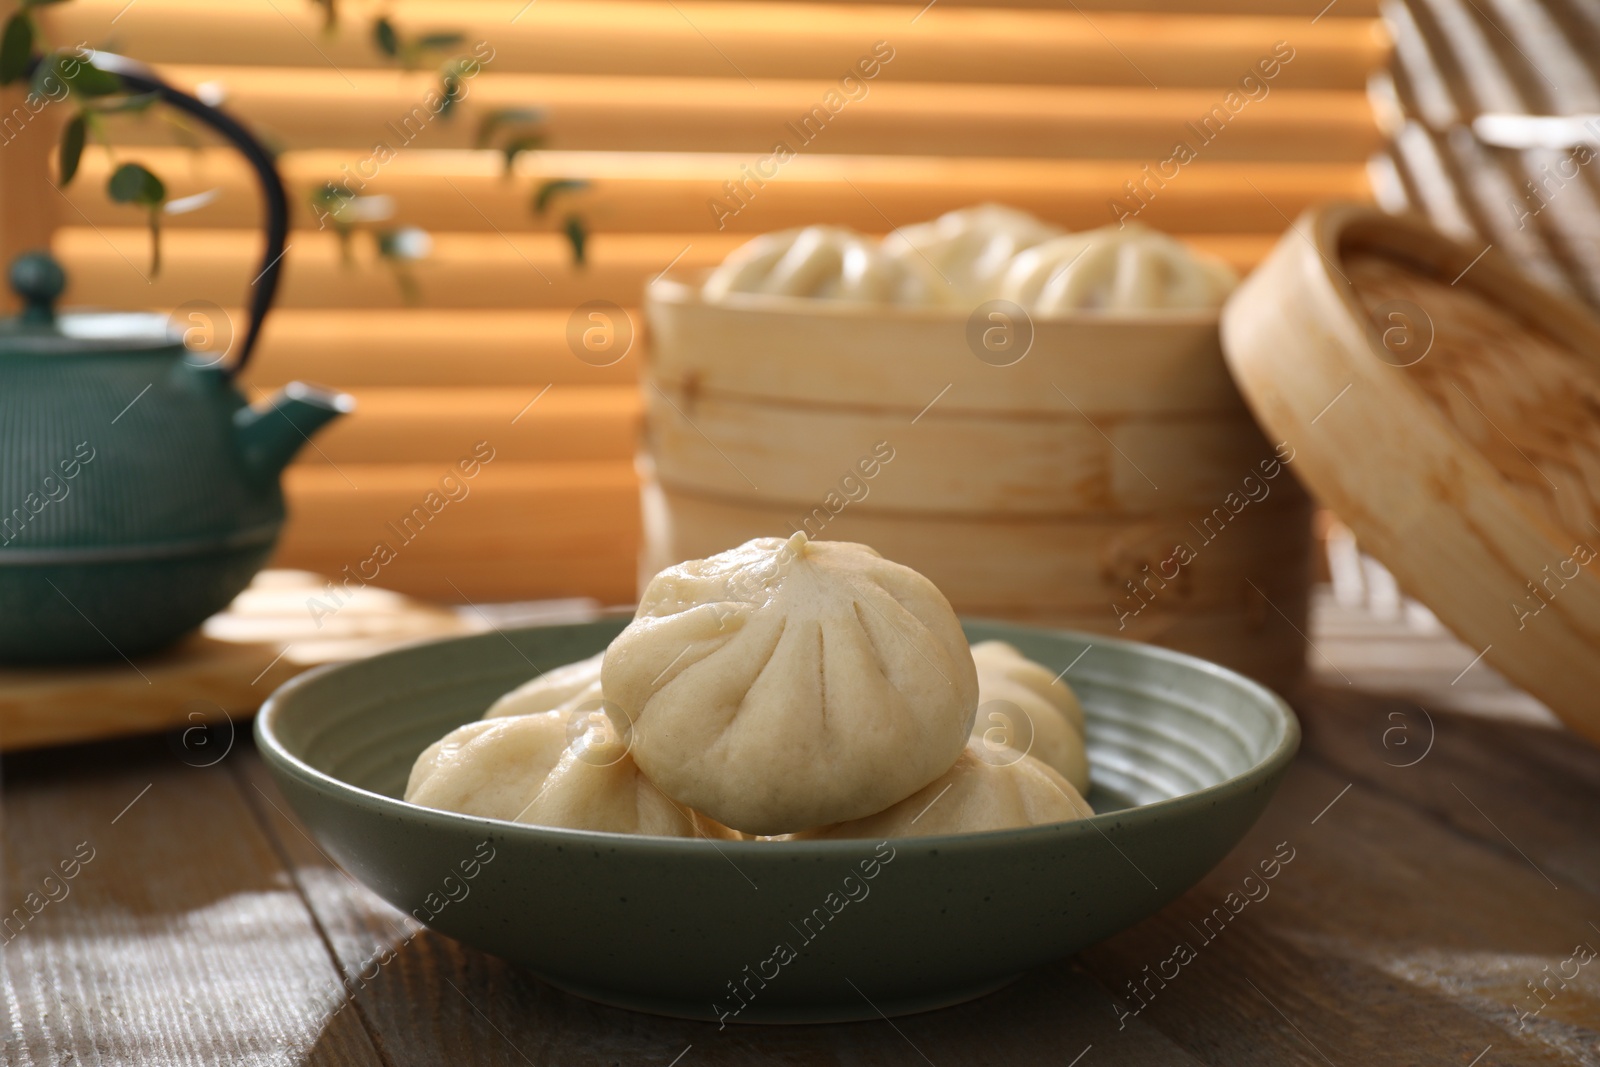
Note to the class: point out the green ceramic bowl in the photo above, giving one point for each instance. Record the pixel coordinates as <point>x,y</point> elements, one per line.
<point>1184,755</point>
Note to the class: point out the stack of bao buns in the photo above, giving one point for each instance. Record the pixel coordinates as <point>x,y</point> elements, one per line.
<point>985,252</point>
<point>784,689</point>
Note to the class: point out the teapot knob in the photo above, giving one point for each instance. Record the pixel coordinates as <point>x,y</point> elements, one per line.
<point>39,280</point>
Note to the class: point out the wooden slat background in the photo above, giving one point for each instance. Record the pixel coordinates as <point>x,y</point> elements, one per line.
<point>657,103</point>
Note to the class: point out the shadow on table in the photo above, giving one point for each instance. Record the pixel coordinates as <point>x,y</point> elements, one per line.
<point>474,1008</point>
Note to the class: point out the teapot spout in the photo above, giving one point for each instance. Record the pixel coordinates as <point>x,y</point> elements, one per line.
<point>270,435</point>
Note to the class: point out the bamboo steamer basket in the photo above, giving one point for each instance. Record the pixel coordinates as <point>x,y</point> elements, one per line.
<point>1054,489</point>
<point>1041,464</point>
<point>1004,564</point>
<point>1449,411</point>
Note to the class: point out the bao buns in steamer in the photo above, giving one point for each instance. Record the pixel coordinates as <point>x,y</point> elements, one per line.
<point>822,262</point>
<point>970,248</point>
<point>1128,269</point>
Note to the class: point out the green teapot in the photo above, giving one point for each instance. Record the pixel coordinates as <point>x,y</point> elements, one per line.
<point>138,488</point>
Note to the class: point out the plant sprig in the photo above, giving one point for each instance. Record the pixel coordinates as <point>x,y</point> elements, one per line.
<point>573,226</point>
<point>99,92</point>
<point>410,52</point>
<point>134,183</point>
<point>519,130</point>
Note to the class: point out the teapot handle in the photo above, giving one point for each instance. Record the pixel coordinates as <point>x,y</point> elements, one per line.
<point>140,78</point>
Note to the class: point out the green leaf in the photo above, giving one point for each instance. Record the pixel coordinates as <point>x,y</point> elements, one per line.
<point>133,183</point>
<point>155,241</point>
<point>516,147</point>
<point>328,204</point>
<point>404,244</point>
<point>553,188</point>
<point>577,232</point>
<point>440,40</point>
<point>330,14</point>
<point>399,248</point>
<point>449,92</point>
<point>16,47</point>
<point>326,194</point>
<point>491,123</point>
<point>92,81</point>
<point>43,73</point>
<point>72,141</point>
<point>385,37</point>
<point>410,292</point>
<point>95,126</point>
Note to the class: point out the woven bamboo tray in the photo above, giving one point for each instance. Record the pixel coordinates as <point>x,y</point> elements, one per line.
<point>1449,411</point>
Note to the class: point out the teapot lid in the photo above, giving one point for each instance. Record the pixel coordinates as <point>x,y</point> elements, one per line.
<point>39,331</point>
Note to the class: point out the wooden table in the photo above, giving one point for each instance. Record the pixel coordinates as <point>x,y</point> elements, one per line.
<point>1443,860</point>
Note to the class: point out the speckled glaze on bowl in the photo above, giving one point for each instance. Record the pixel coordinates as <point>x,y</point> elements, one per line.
<point>1184,755</point>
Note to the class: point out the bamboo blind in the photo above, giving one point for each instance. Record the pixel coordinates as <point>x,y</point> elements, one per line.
<point>658,104</point>
<point>1458,63</point>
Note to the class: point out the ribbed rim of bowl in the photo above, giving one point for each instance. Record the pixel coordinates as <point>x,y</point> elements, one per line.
<point>682,289</point>
<point>1272,763</point>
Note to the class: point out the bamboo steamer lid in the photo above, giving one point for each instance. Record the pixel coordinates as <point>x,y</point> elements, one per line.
<point>1449,411</point>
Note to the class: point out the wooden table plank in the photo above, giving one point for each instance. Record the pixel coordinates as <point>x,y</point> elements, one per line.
<point>1538,787</point>
<point>1388,936</point>
<point>180,940</point>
